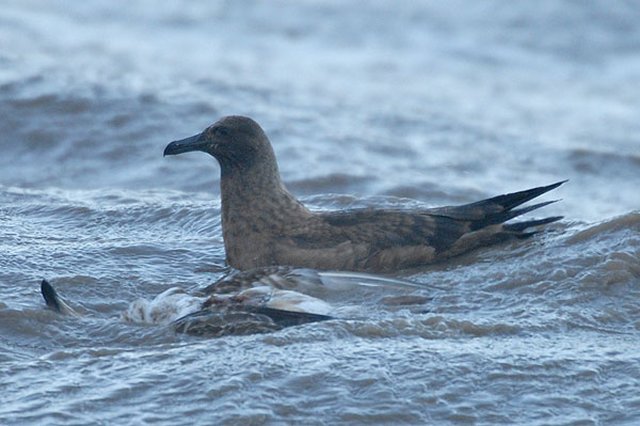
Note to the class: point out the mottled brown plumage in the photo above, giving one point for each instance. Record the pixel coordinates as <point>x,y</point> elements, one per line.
<point>263,224</point>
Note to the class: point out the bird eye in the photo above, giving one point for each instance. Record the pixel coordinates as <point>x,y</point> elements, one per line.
<point>220,131</point>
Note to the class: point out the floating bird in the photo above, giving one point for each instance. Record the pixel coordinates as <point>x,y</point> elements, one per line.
<point>263,224</point>
<point>263,300</point>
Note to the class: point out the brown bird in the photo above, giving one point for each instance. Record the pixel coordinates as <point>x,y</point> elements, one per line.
<point>263,224</point>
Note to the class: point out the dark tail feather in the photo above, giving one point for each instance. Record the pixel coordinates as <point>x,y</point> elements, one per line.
<point>504,216</point>
<point>517,212</point>
<point>521,226</point>
<point>496,209</point>
<point>503,207</point>
<point>509,201</point>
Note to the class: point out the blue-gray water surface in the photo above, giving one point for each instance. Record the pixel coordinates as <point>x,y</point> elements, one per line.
<point>397,104</point>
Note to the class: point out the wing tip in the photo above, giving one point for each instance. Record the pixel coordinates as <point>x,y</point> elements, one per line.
<point>520,227</point>
<point>53,300</point>
<point>50,296</point>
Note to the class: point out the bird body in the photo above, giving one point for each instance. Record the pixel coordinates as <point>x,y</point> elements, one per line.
<point>263,224</point>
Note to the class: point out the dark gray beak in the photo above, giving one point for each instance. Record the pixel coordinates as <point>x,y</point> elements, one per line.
<point>193,143</point>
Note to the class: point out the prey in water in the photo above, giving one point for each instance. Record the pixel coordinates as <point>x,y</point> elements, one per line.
<point>263,224</point>
<point>264,300</point>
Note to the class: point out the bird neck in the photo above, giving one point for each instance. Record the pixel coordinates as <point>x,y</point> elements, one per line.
<point>258,195</point>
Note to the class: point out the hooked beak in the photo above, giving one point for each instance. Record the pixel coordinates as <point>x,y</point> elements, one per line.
<point>193,143</point>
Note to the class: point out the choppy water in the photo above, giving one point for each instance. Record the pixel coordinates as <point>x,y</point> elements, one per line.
<point>384,103</point>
